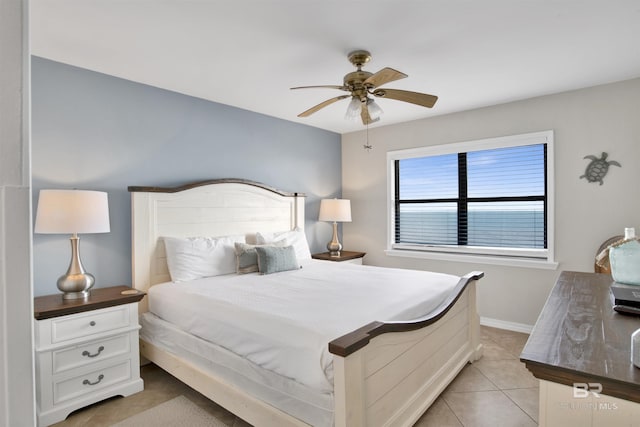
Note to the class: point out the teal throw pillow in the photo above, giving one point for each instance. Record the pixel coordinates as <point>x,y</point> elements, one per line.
<point>273,259</point>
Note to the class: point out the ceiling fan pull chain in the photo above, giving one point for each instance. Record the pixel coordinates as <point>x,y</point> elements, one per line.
<point>368,146</point>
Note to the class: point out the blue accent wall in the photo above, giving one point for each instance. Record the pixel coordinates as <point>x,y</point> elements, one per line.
<point>92,131</point>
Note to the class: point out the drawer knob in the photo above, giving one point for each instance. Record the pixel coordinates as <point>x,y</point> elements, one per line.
<point>86,353</point>
<point>87,382</point>
<point>92,323</point>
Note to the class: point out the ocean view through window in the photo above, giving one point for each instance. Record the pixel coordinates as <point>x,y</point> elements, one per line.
<point>482,198</point>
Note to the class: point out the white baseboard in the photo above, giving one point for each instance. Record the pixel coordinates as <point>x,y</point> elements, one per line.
<point>509,326</point>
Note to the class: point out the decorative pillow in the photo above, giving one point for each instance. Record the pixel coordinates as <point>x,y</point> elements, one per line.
<point>190,258</point>
<point>273,259</point>
<point>247,258</point>
<point>295,238</point>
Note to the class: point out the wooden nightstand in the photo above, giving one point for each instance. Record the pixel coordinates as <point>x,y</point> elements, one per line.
<point>345,256</point>
<point>85,350</point>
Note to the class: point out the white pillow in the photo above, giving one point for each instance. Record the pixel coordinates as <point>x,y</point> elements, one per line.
<point>295,238</point>
<point>191,258</point>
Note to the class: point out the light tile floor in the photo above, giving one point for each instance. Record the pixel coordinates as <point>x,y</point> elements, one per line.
<point>497,390</point>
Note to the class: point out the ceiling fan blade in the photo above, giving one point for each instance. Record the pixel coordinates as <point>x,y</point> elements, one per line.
<point>364,114</point>
<point>383,76</point>
<point>417,98</point>
<point>321,87</point>
<point>312,110</point>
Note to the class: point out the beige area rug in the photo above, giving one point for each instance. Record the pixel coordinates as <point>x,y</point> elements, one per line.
<point>178,412</point>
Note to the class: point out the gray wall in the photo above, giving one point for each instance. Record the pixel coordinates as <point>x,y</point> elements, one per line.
<point>98,132</point>
<point>587,121</point>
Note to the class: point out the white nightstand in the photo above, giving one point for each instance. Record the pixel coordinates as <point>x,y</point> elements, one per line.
<point>345,256</point>
<point>85,350</point>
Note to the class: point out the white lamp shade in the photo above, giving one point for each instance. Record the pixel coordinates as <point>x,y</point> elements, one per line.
<point>337,210</point>
<point>72,211</point>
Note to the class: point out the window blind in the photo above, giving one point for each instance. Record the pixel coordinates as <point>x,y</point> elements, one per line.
<point>486,198</point>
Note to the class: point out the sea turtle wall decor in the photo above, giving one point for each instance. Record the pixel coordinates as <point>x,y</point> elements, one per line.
<point>598,168</point>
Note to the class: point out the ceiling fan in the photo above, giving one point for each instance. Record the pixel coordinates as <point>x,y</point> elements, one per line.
<point>360,84</point>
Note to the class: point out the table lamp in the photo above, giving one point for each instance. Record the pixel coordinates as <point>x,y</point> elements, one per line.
<point>74,212</point>
<point>335,210</point>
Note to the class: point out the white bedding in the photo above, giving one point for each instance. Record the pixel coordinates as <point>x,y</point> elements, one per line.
<point>313,407</point>
<point>283,322</point>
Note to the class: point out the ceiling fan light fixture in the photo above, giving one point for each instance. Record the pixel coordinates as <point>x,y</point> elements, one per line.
<point>353,110</point>
<point>374,109</point>
<point>360,84</point>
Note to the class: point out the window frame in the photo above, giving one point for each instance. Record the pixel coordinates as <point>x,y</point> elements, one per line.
<point>537,258</point>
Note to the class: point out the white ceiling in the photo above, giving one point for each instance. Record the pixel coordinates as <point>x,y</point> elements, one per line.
<point>248,54</point>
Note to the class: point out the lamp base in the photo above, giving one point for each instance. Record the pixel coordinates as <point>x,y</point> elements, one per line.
<point>75,295</point>
<point>334,246</point>
<point>75,284</point>
<point>334,254</point>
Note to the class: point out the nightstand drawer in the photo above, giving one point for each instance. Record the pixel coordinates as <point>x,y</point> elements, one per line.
<point>92,352</point>
<point>82,325</point>
<point>91,382</point>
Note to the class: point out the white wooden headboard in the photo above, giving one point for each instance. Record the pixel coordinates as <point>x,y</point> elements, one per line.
<point>204,209</point>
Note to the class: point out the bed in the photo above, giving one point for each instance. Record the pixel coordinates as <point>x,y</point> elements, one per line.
<point>372,373</point>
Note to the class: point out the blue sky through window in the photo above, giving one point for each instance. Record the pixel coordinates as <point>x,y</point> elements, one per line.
<point>513,171</point>
<point>502,172</point>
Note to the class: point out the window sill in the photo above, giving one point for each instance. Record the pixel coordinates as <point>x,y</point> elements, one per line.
<point>477,259</point>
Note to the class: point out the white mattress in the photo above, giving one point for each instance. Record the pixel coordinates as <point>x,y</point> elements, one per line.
<point>311,406</point>
<point>283,322</point>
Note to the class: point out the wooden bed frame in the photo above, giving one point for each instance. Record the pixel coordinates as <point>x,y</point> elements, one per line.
<point>385,374</point>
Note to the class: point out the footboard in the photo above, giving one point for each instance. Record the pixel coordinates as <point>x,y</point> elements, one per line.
<point>388,374</point>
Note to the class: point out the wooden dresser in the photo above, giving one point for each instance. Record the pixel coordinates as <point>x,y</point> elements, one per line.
<point>579,349</point>
<point>85,350</point>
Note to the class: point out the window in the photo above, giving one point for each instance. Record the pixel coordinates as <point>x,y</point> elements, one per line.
<point>488,198</point>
